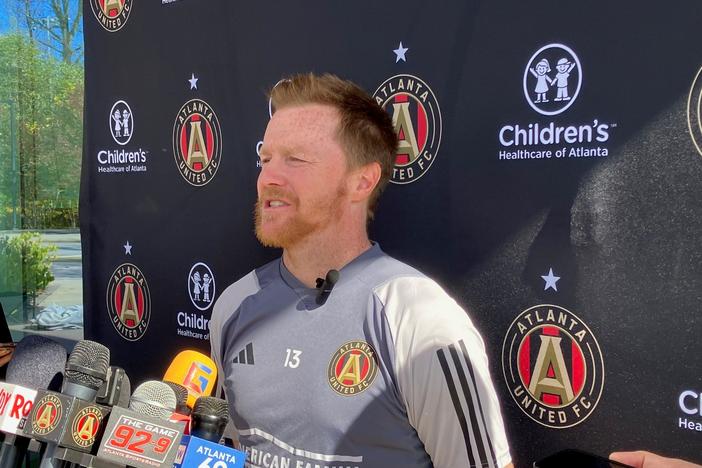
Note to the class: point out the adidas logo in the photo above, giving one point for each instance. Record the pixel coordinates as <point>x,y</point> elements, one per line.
<point>245,355</point>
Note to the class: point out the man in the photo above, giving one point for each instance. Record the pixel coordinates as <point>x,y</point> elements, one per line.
<point>385,370</point>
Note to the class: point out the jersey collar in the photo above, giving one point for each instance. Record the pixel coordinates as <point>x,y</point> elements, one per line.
<point>347,273</point>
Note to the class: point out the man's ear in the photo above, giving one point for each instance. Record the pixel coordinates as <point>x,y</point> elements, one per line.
<point>364,180</point>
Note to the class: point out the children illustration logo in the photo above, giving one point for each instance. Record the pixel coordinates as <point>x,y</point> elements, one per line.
<point>121,122</point>
<point>550,90</point>
<point>201,286</point>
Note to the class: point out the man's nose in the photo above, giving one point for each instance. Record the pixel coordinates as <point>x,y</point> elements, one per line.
<point>272,173</point>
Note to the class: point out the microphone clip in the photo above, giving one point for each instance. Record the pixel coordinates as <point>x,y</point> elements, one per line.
<point>325,286</point>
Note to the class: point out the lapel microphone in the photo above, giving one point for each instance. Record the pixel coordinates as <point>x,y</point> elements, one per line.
<point>326,285</point>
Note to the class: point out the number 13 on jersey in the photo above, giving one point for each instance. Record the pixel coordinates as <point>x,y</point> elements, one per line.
<point>292,358</point>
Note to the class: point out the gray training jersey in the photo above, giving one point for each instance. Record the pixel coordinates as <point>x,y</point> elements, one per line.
<point>389,372</point>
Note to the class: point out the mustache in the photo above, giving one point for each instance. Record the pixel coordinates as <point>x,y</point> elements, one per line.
<point>275,192</point>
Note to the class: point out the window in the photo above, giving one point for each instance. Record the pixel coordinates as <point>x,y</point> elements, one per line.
<point>41,117</point>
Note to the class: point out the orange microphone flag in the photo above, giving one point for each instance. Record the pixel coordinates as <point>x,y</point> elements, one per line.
<point>195,371</point>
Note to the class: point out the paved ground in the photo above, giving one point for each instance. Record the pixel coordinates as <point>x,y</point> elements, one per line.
<point>67,287</point>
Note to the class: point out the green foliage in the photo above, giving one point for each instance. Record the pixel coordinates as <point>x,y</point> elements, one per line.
<point>53,214</point>
<point>26,263</point>
<point>41,135</point>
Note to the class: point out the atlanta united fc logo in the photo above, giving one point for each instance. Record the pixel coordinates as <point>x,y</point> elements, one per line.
<point>352,368</point>
<point>416,117</point>
<point>129,302</point>
<point>197,142</point>
<point>85,425</point>
<point>111,14</point>
<point>553,366</point>
<point>46,415</point>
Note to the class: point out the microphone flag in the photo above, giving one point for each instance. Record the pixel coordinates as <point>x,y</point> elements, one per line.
<point>196,452</point>
<point>195,371</point>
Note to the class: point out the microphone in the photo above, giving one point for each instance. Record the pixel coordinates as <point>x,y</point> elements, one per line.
<point>182,412</point>
<point>181,398</point>
<point>142,436</point>
<point>155,399</point>
<point>37,363</point>
<point>54,413</point>
<point>201,448</point>
<point>86,370</point>
<point>209,418</point>
<point>195,371</point>
<point>78,445</point>
<point>326,285</point>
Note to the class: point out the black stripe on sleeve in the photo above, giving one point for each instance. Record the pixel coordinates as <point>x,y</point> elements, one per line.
<point>456,404</point>
<point>249,354</point>
<point>472,411</point>
<point>477,397</point>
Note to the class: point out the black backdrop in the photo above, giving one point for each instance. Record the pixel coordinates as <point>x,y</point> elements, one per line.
<point>620,230</point>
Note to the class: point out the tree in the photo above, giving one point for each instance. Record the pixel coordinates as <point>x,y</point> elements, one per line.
<point>47,95</point>
<point>55,25</point>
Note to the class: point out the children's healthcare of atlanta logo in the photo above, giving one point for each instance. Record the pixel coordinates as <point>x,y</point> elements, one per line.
<point>552,79</point>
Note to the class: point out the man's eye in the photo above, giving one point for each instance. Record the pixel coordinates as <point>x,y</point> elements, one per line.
<point>265,160</point>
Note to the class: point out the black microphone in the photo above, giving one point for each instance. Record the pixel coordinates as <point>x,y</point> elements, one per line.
<point>37,363</point>
<point>208,421</point>
<point>181,398</point>
<point>78,445</point>
<point>86,370</point>
<point>182,411</point>
<point>326,285</point>
<point>81,439</point>
<point>51,416</point>
<point>209,418</point>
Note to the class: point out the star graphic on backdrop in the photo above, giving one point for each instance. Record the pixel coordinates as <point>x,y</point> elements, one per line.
<point>551,280</point>
<point>127,248</point>
<point>193,81</point>
<point>400,52</point>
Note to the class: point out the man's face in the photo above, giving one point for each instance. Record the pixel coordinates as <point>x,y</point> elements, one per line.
<point>301,187</point>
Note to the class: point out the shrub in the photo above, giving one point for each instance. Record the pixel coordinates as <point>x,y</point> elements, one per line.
<point>26,258</point>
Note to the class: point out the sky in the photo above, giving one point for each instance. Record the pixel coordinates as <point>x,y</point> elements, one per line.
<point>10,21</point>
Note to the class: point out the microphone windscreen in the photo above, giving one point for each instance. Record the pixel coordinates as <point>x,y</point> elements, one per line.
<point>332,277</point>
<point>208,405</point>
<point>181,395</point>
<point>209,418</point>
<point>38,363</point>
<point>153,398</point>
<point>195,371</point>
<point>88,364</point>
